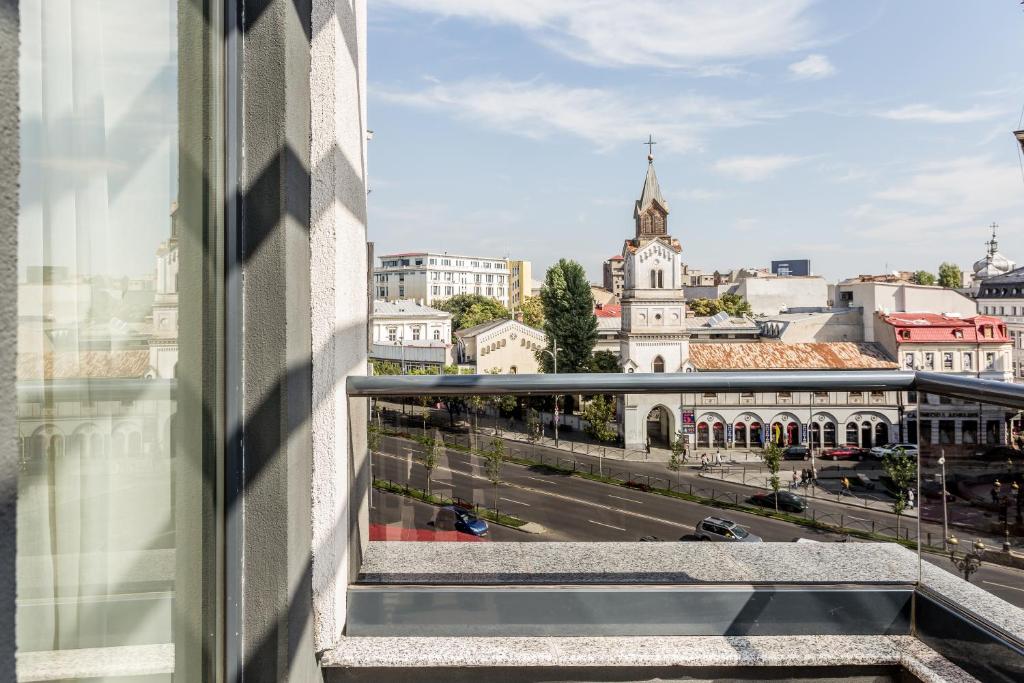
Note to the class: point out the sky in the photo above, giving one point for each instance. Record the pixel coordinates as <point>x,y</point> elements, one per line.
<point>868,137</point>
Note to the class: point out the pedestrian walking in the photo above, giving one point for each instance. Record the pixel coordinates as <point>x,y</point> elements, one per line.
<point>718,457</point>
<point>814,475</point>
<point>648,446</point>
<point>846,486</point>
<point>793,485</point>
<point>704,461</point>
<point>910,499</point>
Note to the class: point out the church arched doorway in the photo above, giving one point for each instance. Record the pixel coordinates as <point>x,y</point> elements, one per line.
<point>739,434</point>
<point>659,427</point>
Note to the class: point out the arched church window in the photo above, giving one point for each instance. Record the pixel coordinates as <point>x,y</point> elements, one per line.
<point>659,364</point>
<point>661,279</point>
<point>654,279</point>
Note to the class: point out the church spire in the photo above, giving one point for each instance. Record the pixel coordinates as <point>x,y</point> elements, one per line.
<point>651,210</point>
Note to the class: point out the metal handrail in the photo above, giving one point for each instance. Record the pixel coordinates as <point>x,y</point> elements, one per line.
<point>968,388</point>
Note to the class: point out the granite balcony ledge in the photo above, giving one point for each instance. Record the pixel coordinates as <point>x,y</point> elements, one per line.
<point>452,563</point>
<point>713,651</point>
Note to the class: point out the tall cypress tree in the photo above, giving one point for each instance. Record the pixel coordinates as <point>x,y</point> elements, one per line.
<point>568,317</point>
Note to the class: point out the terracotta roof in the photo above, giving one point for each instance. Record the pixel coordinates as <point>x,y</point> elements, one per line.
<point>608,311</point>
<point>935,327</point>
<point>616,257</point>
<point>83,365</point>
<point>779,356</point>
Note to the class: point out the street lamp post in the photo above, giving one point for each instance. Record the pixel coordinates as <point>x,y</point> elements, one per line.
<point>554,360</point>
<point>945,515</point>
<point>969,562</point>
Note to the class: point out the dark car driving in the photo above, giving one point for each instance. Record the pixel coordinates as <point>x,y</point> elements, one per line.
<point>796,453</point>
<point>790,502</point>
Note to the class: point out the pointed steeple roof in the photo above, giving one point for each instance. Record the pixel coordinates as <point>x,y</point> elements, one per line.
<point>651,192</point>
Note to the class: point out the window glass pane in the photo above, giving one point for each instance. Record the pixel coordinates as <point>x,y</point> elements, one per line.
<point>116,332</point>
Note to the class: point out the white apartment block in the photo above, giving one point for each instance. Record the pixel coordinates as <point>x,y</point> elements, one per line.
<point>431,277</point>
<point>1003,296</point>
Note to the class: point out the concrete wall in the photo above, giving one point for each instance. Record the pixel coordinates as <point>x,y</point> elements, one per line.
<point>769,296</point>
<point>9,165</point>
<point>340,304</point>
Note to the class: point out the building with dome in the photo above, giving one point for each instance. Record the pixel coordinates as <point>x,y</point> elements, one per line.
<point>991,265</point>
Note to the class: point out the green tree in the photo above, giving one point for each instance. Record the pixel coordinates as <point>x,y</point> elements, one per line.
<point>385,367</point>
<point>735,305</point>
<point>923,277</point>
<point>569,317</point>
<point>772,458</point>
<point>494,456</point>
<point>502,403</point>
<point>604,361</point>
<point>676,459</point>
<point>432,454</point>
<point>532,309</point>
<point>472,309</point>
<point>703,307</point>
<point>374,437</point>
<point>533,425</point>
<point>901,470</point>
<point>599,413</point>
<point>950,275</point>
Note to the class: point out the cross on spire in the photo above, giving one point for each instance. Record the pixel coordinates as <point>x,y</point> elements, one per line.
<point>993,246</point>
<point>650,147</point>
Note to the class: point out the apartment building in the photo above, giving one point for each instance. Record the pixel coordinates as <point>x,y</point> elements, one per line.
<point>978,346</point>
<point>435,276</point>
<point>1003,296</point>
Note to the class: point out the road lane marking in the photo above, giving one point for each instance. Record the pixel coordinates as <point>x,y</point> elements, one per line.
<point>543,481</point>
<point>517,502</point>
<point>619,528</point>
<point>638,502</point>
<point>1013,588</point>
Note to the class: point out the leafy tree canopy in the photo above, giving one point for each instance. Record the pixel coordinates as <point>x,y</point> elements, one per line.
<point>533,312</point>
<point>604,361</point>
<point>950,275</point>
<point>733,304</point>
<point>923,277</point>
<point>569,317</point>
<point>472,309</point>
<point>599,413</point>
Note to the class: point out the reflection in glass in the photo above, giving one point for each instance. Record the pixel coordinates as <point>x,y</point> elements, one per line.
<point>102,471</point>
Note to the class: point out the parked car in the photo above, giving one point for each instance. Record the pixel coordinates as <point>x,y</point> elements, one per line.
<point>789,502</point>
<point>844,453</point>
<point>796,453</point>
<point>909,449</point>
<point>452,518</point>
<point>998,453</point>
<point>718,529</point>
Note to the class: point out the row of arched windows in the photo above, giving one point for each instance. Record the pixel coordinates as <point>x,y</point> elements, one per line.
<point>657,279</point>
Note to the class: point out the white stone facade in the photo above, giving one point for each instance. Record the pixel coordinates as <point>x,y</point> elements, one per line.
<point>502,346</point>
<point>431,277</point>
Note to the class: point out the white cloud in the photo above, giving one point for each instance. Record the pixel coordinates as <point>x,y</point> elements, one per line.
<point>667,33</point>
<point>752,168</point>
<point>942,203</point>
<point>929,114</point>
<point>606,118</point>
<point>812,67</point>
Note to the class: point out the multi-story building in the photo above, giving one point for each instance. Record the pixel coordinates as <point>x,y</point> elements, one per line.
<point>436,276</point>
<point>1003,296</point>
<point>520,282</point>
<point>411,335</point>
<point>613,276</point>
<point>976,346</point>
<point>894,295</point>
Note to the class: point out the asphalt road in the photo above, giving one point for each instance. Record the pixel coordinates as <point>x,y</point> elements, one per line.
<point>576,509</point>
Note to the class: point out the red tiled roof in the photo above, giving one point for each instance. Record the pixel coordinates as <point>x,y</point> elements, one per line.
<point>617,257</point>
<point>935,327</point>
<point>780,356</point>
<point>609,311</point>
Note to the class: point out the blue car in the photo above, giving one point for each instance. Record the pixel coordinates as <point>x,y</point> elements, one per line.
<point>451,518</point>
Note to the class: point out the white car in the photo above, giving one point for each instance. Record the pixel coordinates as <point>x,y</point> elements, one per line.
<point>909,449</point>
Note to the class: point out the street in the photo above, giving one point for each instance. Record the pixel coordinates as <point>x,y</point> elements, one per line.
<point>577,509</point>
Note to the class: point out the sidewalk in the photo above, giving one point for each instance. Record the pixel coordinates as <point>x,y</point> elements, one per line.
<point>759,480</point>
